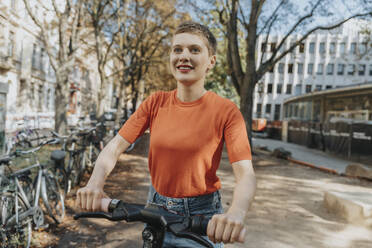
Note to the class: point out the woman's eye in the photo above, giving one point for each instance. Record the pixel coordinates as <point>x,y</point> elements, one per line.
<point>195,50</point>
<point>177,50</point>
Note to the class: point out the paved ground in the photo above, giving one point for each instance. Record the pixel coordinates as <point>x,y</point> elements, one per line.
<point>287,212</point>
<point>302,153</point>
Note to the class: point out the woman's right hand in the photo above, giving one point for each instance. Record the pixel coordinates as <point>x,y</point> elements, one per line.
<point>89,198</point>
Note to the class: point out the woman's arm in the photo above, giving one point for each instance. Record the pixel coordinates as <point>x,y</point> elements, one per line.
<point>89,197</point>
<point>229,227</point>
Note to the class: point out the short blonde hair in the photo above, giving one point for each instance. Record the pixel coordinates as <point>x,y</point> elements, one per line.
<point>197,28</point>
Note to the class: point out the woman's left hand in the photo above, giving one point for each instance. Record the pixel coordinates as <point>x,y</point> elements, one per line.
<point>227,228</point>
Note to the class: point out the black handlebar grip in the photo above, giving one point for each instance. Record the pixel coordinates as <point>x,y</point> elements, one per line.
<point>199,224</point>
<point>102,215</point>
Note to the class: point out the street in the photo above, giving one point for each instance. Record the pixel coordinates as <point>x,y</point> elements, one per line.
<point>287,211</point>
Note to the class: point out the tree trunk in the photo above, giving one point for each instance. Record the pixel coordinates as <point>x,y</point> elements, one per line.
<point>101,96</point>
<point>60,106</point>
<point>122,110</point>
<point>246,104</point>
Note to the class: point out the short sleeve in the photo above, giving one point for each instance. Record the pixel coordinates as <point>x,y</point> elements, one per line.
<point>138,122</point>
<point>236,138</point>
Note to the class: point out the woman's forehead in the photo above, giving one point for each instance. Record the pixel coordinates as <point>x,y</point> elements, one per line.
<point>187,39</point>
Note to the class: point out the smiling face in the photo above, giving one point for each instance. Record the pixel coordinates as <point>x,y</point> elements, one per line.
<point>189,58</point>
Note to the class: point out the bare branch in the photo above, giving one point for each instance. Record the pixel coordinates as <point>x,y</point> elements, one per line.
<point>56,10</point>
<point>298,23</point>
<point>272,18</point>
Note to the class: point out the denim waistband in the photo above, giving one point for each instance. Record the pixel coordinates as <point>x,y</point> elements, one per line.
<point>208,204</point>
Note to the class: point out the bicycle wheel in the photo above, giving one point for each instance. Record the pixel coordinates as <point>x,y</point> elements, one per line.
<point>53,197</point>
<point>13,234</point>
<point>61,176</point>
<point>77,169</point>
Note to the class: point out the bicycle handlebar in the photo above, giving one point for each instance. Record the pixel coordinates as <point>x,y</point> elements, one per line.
<point>157,216</point>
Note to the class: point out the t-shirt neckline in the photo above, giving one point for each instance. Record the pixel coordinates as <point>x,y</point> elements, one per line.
<point>188,104</point>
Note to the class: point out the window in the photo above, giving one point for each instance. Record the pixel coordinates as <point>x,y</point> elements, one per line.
<point>300,68</point>
<point>312,47</point>
<point>41,61</point>
<point>272,47</point>
<point>370,70</point>
<point>13,4</point>
<point>342,48</point>
<point>281,68</point>
<point>269,88</point>
<point>322,48</point>
<point>353,48</point>
<point>340,69</point>
<point>310,68</point>
<point>351,69</point>
<point>290,68</point>
<point>11,44</point>
<point>308,88</point>
<point>332,48</point>
<point>302,47</point>
<point>289,89</point>
<point>40,98</point>
<point>260,87</point>
<point>277,111</point>
<point>318,87</point>
<point>298,89</point>
<point>330,68</point>
<point>320,69</point>
<point>258,110</point>
<point>268,108</point>
<point>362,48</point>
<point>34,51</point>
<point>328,87</point>
<point>263,47</point>
<point>271,69</point>
<point>362,70</point>
<point>279,88</point>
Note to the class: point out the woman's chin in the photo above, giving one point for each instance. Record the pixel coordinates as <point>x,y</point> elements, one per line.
<point>187,82</point>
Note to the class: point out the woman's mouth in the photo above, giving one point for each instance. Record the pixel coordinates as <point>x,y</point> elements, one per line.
<point>184,68</point>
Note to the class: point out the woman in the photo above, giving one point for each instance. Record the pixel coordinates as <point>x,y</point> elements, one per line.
<point>188,128</point>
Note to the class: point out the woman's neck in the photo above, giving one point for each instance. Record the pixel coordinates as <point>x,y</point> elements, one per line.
<point>190,93</point>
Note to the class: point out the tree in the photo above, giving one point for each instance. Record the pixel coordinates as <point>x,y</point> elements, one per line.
<point>141,48</point>
<point>262,17</point>
<point>59,31</point>
<point>103,21</point>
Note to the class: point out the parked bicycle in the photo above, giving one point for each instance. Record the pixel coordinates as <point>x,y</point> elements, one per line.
<point>158,220</point>
<point>14,230</point>
<point>82,148</point>
<point>25,199</point>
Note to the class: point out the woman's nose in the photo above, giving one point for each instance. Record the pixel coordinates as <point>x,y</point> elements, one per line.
<point>185,55</point>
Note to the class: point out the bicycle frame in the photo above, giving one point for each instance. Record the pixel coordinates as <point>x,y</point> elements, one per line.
<point>31,207</point>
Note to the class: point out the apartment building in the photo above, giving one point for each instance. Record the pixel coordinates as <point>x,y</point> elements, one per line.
<point>27,80</point>
<point>325,60</point>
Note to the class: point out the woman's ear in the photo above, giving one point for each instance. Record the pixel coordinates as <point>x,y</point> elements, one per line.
<point>212,62</point>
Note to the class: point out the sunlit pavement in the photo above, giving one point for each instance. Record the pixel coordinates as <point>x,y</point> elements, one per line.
<point>302,153</point>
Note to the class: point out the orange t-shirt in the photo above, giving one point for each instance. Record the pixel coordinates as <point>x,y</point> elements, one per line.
<point>186,141</point>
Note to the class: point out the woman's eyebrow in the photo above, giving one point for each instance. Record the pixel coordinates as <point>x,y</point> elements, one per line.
<point>189,45</point>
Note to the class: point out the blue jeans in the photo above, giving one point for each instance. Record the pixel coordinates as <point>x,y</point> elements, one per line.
<point>206,205</point>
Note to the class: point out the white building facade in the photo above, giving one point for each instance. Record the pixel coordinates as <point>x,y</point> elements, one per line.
<point>324,60</point>
<point>27,80</point>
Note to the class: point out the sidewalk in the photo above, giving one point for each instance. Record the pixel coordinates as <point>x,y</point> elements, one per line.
<point>310,156</point>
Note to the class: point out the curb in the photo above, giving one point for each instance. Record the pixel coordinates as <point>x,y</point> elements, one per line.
<point>332,171</point>
<point>321,168</point>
